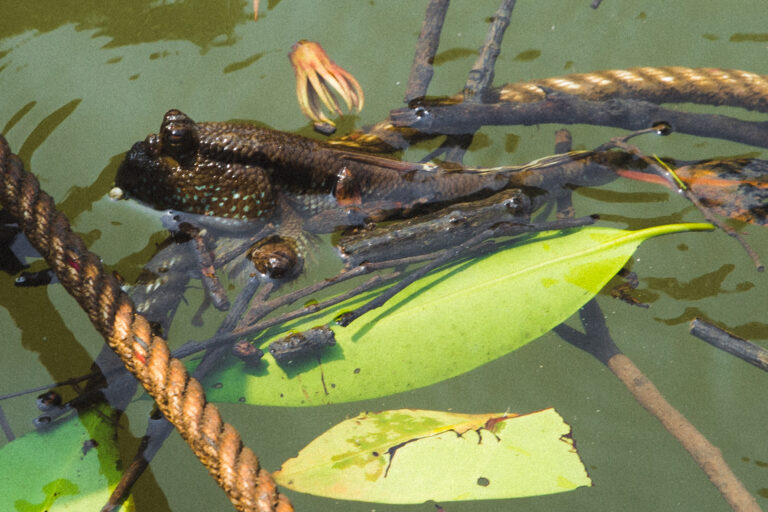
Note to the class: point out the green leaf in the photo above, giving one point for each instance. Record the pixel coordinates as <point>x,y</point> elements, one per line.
<point>446,324</point>
<point>411,456</point>
<point>69,467</point>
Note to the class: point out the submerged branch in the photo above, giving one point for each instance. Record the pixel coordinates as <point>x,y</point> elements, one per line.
<point>597,341</point>
<point>563,108</point>
<point>724,340</point>
<point>480,77</point>
<point>446,255</point>
<point>426,48</point>
<point>9,435</point>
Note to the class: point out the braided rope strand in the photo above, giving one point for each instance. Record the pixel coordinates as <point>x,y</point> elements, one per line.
<point>669,84</point>
<point>180,397</point>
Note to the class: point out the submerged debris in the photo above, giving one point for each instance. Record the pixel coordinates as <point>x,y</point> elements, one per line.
<point>300,345</point>
<point>246,352</point>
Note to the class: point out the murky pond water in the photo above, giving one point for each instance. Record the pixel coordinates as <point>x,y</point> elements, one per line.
<point>80,85</point>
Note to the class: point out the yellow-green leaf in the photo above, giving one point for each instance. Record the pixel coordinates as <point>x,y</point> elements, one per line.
<point>411,456</point>
<point>71,467</point>
<point>446,324</point>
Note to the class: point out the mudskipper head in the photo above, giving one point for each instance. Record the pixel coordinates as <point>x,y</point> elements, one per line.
<point>178,137</point>
<point>151,167</point>
<point>170,170</point>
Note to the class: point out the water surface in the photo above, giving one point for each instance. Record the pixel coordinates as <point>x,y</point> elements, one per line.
<point>80,85</point>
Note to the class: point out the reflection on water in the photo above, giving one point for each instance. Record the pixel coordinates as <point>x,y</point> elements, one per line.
<point>453,54</point>
<point>44,128</point>
<point>751,37</point>
<point>613,196</point>
<point>127,23</point>
<point>526,55</point>
<point>748,330</point>
<point>705,285</point>
<point>15,118</point>
<point>237,66</point>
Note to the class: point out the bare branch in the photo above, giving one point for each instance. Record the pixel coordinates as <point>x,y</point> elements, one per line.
<point>426,48</point>
<point>481,75</point>
<point>567,109</point>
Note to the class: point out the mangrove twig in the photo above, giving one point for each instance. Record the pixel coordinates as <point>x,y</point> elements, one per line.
<point>597,341</point>
<point>724,340</point>
<point>68,382</point>
<point>289,298</point>
<point>480,77</point>
<point>426,48</point>
<point>214,290</point>
<point>192,347</point>
<point>505,229</point>
<point>558,107</point>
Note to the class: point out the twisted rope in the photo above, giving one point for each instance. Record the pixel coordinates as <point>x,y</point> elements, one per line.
<point>180,397</point>
<point>669,84</point>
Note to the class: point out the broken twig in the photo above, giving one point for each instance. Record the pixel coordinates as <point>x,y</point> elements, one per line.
<point>481,75</point>
<point>724,340</point>
<point>426,48</point>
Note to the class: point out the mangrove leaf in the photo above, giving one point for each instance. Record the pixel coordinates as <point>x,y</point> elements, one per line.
<point>446,324</point>
<point>71,466</point>
<point>411,456</point>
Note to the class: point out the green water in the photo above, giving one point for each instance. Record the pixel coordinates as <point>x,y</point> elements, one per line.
<point>78,85</point>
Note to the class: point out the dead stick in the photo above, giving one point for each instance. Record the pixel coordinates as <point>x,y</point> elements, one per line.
<point>426,48</point>
<point>730,343</point>
<point>597,342</point>
<point>707,456</point>
<point>479,79</point>
<point>446,255</point>
<point>480,76</point>
<point>563,145</point>
<point>563,108</point>
<point>253,326</point>
<point>132,473</point>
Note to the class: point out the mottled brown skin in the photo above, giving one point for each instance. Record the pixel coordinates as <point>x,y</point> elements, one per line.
<point>238,171</point>
<point>168,171</point>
